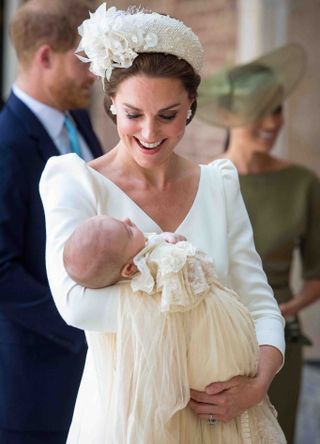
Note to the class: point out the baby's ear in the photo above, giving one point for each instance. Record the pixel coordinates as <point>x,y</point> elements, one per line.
<point>128,270</point>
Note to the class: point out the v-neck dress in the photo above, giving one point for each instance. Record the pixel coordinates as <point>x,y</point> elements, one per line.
<point>216,223</point>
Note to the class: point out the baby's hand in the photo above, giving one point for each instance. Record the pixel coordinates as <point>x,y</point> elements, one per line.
<point>173,238</point>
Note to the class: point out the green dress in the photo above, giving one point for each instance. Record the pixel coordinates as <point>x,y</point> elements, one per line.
<point>284,209</point>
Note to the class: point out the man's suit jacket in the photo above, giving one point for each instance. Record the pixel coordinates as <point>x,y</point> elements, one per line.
<point>41,358</point>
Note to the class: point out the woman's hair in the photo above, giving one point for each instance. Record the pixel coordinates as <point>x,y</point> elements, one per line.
<point>154,65</point>
<point>226,141</point>
<point>52,22</point>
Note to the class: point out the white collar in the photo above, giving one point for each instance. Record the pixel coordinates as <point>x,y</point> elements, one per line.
<point>51,118</point>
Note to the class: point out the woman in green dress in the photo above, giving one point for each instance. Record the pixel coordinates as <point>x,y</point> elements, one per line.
<point>282,199</point>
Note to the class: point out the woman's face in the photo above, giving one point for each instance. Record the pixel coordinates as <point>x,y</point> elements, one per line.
<point>151,117</point>
<point>262,135</point>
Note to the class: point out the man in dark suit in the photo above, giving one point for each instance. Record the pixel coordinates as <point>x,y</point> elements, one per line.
<point>41,358</point>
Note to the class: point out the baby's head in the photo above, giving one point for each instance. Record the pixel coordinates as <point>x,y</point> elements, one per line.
<point>101,250</point>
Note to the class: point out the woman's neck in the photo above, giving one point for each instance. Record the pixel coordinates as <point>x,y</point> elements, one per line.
<point>248,161</point>
<point>119,166</point>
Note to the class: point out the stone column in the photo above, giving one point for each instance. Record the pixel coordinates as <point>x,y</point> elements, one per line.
<point>10,65</point>
<point>262,26</point>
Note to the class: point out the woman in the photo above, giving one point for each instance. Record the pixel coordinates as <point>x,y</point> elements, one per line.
<point>282,199</point>
<point>150,65</point>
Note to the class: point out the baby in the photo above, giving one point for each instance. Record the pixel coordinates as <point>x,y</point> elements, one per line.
<point>101,250</point>
<point>177,328</point>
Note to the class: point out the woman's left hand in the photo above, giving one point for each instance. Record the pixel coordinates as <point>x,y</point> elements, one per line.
<point>224,401</point>
<point>290,308</point>
<point>309,293</point>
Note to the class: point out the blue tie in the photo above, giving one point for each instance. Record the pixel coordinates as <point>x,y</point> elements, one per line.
<point>72,135</point>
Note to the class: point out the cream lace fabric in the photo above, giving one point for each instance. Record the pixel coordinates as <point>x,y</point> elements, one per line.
<point>169,270</point>
<point>178,328</point>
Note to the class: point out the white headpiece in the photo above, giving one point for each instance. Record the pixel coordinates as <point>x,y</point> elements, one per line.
<point>113,38</point>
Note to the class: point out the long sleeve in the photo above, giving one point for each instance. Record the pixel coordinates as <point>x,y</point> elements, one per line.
<point>246,274</point>
<point>310,242</point>
<point>69,197</point>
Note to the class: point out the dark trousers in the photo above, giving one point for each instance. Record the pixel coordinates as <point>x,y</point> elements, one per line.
<point>25,437</point>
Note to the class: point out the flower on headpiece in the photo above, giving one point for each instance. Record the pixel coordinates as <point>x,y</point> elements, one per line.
<point>108,42</point>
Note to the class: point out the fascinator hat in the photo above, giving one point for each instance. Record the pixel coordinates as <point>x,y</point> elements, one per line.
<point>113,38</point>
<point>246,93</point>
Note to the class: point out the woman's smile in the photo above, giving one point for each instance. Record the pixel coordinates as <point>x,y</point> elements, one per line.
<point>149,147</point>
<point>267,135</point>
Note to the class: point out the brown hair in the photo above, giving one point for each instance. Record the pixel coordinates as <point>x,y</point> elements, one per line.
<point>154,65</point>
<point>52,22</point>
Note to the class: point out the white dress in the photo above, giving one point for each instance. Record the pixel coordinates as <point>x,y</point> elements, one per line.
<point>217,223</point>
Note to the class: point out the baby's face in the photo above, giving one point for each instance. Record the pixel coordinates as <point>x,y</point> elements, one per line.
<point>130,238</point>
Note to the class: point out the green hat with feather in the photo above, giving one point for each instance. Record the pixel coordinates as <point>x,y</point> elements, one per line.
<point>246,93</point>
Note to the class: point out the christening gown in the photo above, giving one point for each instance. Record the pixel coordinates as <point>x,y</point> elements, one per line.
<point>176,325</point>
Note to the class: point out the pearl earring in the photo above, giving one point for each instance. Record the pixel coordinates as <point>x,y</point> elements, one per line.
<point>189,114</point>
<point>113,109</point>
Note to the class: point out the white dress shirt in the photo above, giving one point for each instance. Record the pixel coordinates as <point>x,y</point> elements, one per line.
<point>53,121</point>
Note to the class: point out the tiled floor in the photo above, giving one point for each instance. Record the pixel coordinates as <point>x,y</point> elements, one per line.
<point>308,423</point>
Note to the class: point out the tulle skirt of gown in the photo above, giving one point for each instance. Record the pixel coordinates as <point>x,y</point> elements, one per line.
<point>177,328</point>
<point>135,388</point>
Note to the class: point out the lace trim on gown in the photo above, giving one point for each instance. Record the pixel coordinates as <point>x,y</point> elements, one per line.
<point>182,274</point>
